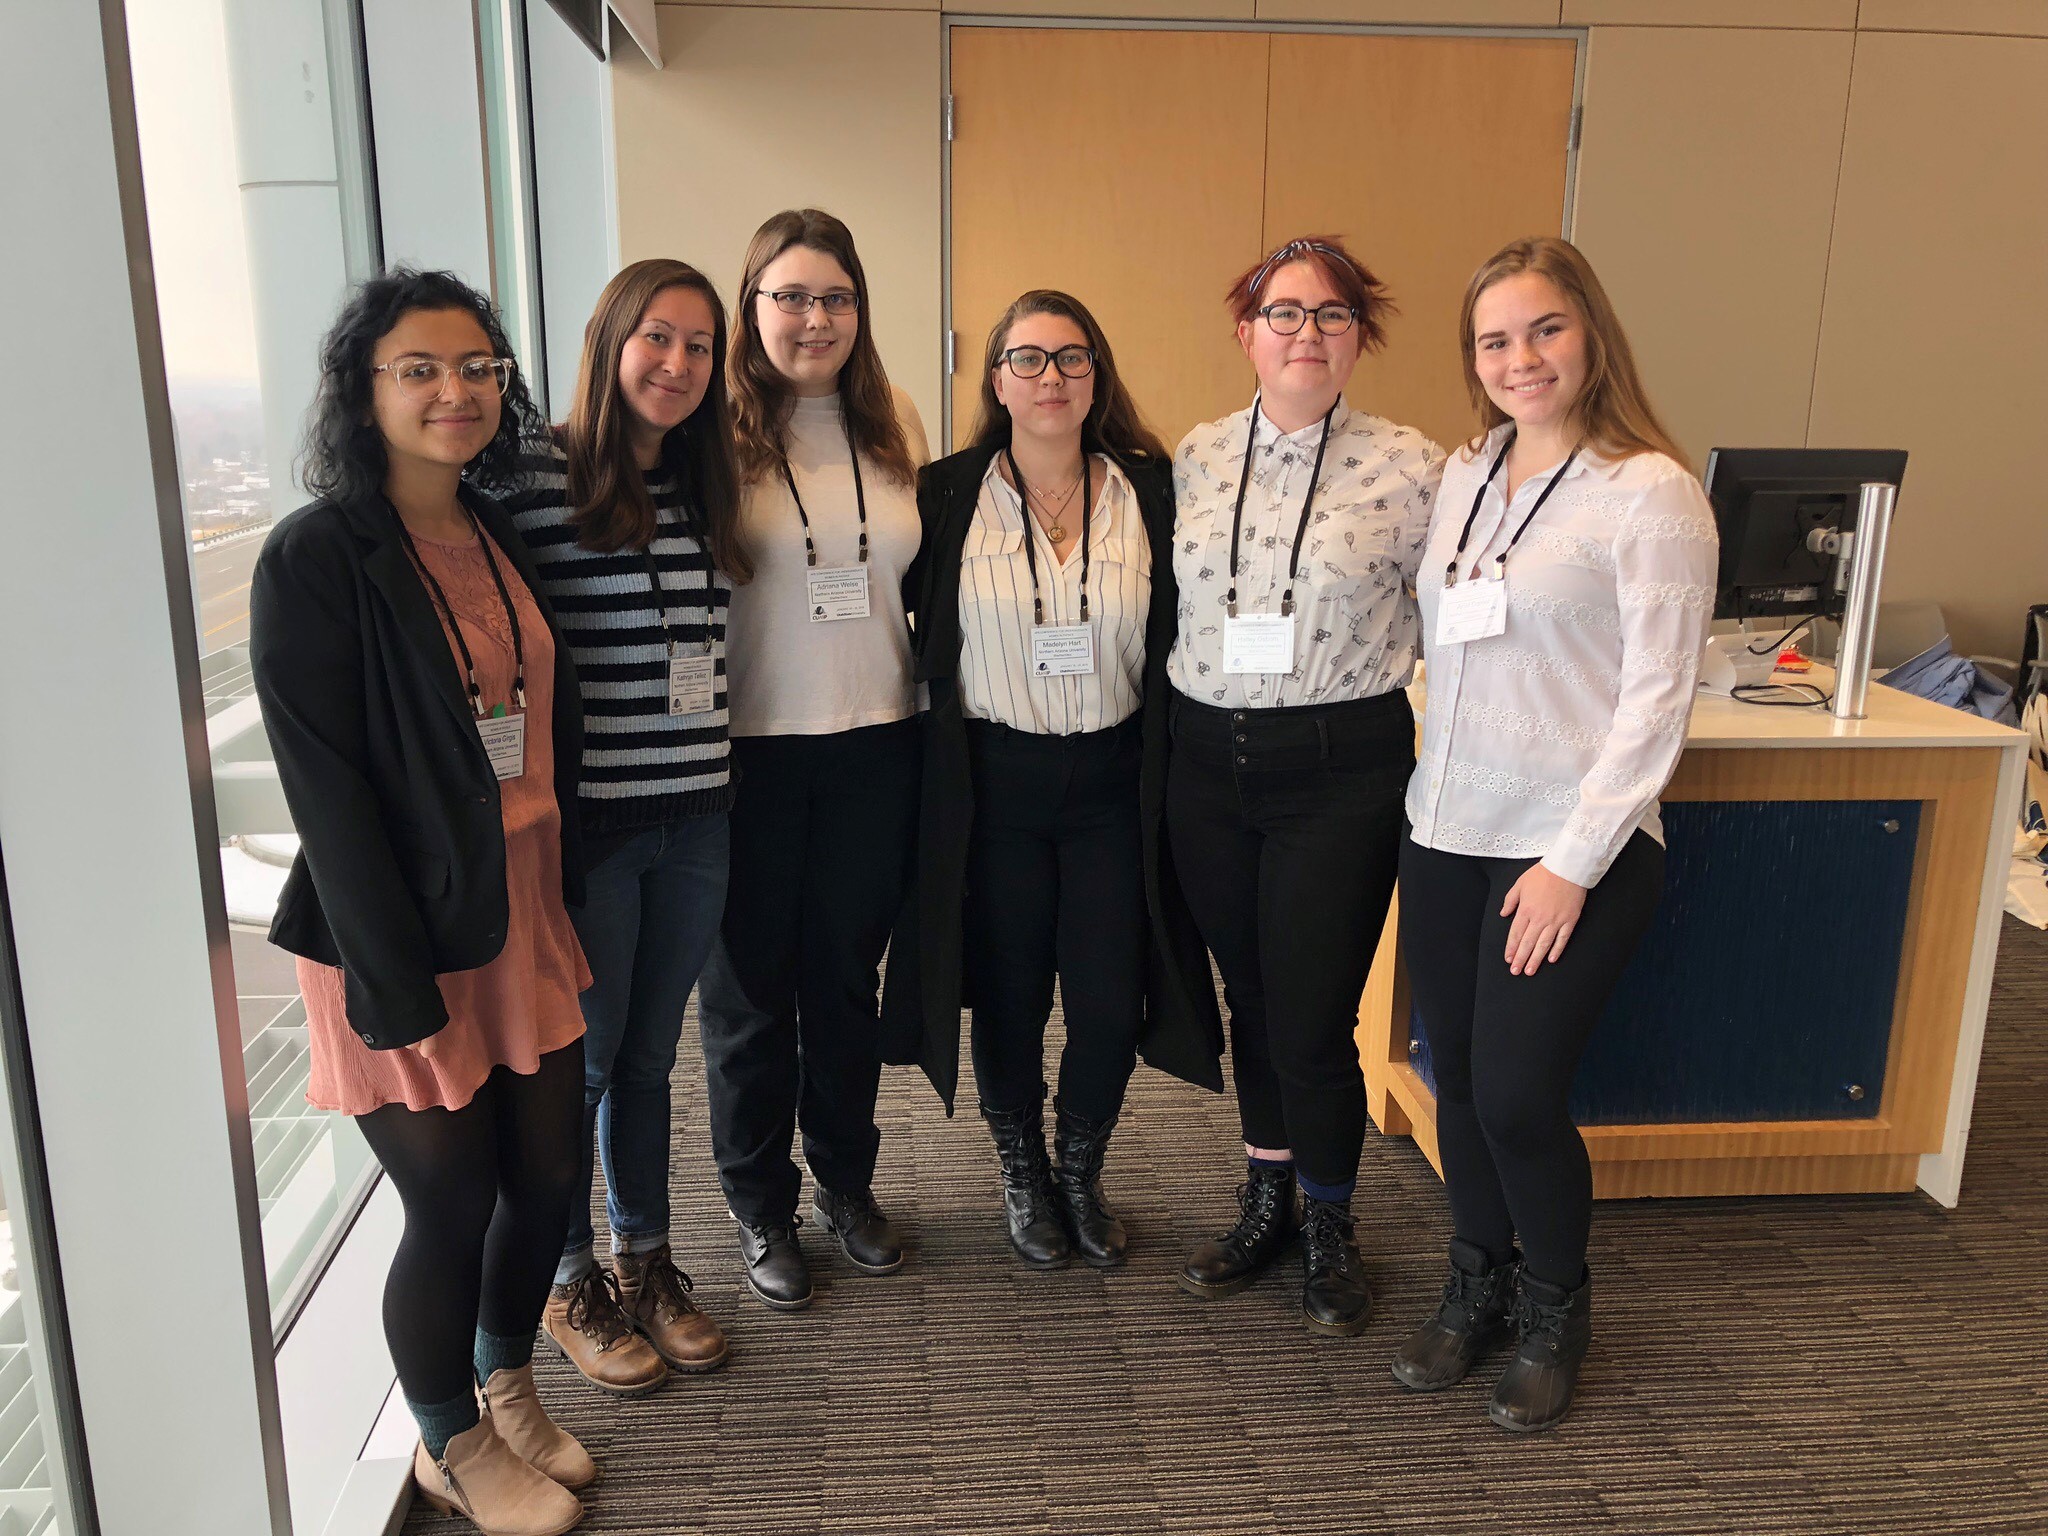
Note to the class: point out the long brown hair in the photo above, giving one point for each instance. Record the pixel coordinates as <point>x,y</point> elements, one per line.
<point>611,507</point>
<point>1613,410</point>
<point>1113,425</point>
<point>761,396</point>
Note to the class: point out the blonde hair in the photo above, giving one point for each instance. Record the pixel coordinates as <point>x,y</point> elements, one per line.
<point>1612,410</point>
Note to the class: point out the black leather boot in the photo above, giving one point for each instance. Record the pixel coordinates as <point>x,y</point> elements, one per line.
<point>1030,1206</point>
<point>1080,1145</point>
<point>1225,1264</point>
<point>773,1265</point>
<point>1555,1325</point>
<point>863,1231</point>
<point>1334,1295</point>
<point>1473,1317</point>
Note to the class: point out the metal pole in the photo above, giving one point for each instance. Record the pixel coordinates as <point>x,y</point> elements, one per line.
<point>1859,613</point>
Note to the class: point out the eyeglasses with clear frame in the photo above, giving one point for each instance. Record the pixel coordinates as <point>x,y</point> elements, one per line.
<point>795,301</point>
<point>1029,362</point>
<point>1331,319</point>
<point>422,378</point>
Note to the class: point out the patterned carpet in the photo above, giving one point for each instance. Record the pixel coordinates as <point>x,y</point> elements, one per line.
<point>1856,1365</point>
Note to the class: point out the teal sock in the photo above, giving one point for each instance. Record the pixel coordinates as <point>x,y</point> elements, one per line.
<point>441,1422</point>
<point>501,1352</point>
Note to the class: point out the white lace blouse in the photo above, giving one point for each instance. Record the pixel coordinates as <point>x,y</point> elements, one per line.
<point>1355,633</point>
<point>1553,739</point>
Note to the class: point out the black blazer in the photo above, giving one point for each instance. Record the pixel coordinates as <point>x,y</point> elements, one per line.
<point>401,868</point>
<point>1183,1031</point>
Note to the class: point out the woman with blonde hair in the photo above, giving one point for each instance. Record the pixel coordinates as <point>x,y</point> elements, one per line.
<point>825,740</point>
<point>1565,589</point>
<point>630,514</point>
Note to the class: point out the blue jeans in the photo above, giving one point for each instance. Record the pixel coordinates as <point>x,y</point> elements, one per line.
<point>651,914</point>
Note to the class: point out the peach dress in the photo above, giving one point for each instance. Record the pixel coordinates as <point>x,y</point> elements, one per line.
<point>522,1005</point>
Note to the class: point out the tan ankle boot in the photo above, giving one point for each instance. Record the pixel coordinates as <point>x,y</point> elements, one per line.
<point>585,1322</point>
<point>514,1407</point>
<point>656,1296</point>
<point>480,1476</point>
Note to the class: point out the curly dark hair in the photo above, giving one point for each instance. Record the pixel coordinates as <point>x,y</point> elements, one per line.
<point>342,458</point>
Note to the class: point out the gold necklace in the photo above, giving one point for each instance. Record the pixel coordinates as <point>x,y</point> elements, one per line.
<point>1053,530</point>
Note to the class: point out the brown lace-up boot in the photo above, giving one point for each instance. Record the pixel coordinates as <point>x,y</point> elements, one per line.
<point>585,1321</point>
<point>657,1302</point>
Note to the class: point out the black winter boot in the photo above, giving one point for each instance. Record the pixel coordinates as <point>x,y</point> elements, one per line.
<point>1334,1295</point>
<point>1556,1325</point>
<point>1030,1205</point>
<point>1473,1317</point>
<point>1080,1145</point>
<point>1266,1222</point>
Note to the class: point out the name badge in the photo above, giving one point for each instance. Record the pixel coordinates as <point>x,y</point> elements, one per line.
<point>504,738</point>
<point>1471,610</point>
<point>1259,642</point>
<point>689,685</point>
<point>1062,650</point>
<point>837,592</point>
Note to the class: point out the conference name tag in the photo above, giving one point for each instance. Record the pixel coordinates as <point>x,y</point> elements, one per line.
<point>1062,650</point>
<point>689,685</point>
<point>1471,610</point>
<point>837,592</point>
<point>1259,642</point>
<point>504,738</point>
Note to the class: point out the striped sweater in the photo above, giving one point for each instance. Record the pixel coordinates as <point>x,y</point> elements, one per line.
<point>641,767</point>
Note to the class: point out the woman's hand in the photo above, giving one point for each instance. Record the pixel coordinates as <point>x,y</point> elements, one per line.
<point>1545,909</point>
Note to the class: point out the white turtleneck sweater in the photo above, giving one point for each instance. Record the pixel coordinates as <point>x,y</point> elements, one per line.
<point>787,676</point>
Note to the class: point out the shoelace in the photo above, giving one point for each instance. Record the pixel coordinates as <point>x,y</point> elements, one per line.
<point>776,1232</point>
<point>1324,1234</point>
<point>1539,1321</point>
<point>669,1286</point>
<point>595,1308</point>
<point>1248,1225</point>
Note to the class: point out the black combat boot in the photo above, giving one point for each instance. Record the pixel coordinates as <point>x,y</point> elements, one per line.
<point>864,1233</point>
<point>1224,1265</point>
<point>1555,1325</point>
<point>1080,1145</point>
<point>1473,1317</point>
<point>1334,1295</point>
<point>774,1268</point>
<point>1030,1204</point>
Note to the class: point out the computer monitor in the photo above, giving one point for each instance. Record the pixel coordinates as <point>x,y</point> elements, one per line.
<point>1774,507</point>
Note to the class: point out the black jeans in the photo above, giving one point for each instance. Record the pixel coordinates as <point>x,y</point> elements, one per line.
<point>1506,1047</point>
<point>1055,884</point>
<point>487,1191</point>
<point>1285,828</point>
<point>822,832</point>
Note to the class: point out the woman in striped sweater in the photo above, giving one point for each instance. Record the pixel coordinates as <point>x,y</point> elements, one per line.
<point>630,521</point>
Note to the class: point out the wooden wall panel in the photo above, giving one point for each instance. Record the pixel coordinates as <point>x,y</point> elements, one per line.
<point>1832,15</point>
<point>1444,150</point>
<point>1415,13</point>
<point>1138,191</point>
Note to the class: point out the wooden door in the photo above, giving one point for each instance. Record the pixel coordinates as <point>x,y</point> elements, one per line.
<point>1428,154</point>
<point>1126,168</point>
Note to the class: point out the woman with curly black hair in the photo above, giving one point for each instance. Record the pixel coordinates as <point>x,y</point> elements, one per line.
<point>427,729</point>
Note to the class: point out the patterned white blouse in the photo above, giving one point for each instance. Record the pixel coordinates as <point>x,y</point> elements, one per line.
<point>1355,632</point>
<point>996,679</point>
<point>1553,739</point>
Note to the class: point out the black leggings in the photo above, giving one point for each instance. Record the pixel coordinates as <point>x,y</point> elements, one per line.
<point>1506,1048</point>
<point>486,1190</point>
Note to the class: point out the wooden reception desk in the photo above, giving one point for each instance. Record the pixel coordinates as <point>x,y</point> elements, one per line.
<point>1807,1012</point>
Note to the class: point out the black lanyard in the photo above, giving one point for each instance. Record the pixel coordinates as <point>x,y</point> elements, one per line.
<point>1030,543</point>
<point>860,496</point>
<point>476,694</point>
<point>1500,563</point>
<point>1244,482</point>
<point>660,594</point>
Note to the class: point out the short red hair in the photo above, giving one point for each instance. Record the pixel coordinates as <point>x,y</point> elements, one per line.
<point>1349,278</point>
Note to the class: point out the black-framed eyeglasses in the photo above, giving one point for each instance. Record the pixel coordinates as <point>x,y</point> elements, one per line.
<point>1029,362</point>
<point>421,378</point>
<point>794,301</point>
<point>1331,319</point>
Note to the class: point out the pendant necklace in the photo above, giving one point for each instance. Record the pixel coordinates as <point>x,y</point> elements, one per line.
<point>1053,530</point>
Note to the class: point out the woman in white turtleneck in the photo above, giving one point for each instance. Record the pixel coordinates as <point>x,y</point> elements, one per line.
<point>824,741</point>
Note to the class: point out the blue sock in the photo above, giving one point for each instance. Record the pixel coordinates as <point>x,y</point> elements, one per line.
<point>1329,1194</point>
<point>501,1352</point>
<point>1256,1163</point>
<point>441,1422</point>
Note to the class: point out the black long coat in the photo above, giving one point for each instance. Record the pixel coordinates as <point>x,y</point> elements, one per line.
<point>1183,1030</point>
<point>401,867</point>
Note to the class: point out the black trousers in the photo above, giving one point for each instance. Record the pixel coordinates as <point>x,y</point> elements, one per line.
<point>1055,885</point>
<point>487,1190</point>
<point>1285,827</point>
<point>822,833</point>
<point>1507,1047</point>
